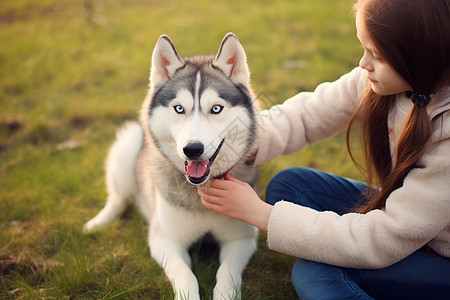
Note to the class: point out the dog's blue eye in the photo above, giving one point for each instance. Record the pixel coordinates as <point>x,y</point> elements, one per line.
<point>179,109</point>
<point>216,109</point>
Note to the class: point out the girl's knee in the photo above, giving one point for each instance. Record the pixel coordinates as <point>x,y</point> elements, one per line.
<point>305,272</point>
<point>285,184</point>
<point>306,278</point>
<point>314,280</point>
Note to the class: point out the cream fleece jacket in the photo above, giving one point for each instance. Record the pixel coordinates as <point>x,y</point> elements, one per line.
<point>415,214</point>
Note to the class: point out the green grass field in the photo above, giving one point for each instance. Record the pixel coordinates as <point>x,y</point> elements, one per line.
<point>72,71</point>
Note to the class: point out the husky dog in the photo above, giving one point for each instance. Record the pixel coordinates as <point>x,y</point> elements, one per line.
<point>198,121</point>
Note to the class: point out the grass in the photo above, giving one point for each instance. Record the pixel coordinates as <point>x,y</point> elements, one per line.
<point>72,71</point>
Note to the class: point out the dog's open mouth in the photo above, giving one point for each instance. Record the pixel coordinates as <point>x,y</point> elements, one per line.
<point>198,170</point>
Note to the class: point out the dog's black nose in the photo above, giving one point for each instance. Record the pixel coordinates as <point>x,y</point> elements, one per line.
<point>193,150</point>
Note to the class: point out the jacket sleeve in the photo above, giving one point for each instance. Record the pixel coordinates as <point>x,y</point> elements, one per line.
<point>413,215</point>
<point>309,116</point>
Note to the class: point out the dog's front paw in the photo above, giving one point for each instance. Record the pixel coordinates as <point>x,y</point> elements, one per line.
<point>226,294</point>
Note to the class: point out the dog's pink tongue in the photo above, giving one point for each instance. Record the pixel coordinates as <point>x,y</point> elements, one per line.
<point>197,169</point>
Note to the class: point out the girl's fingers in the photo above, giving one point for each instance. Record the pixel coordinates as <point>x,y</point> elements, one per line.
<point>221,184</point>
<point>230,177</point>
<point>227,183</point>
<point>211,191</point>
<point>211,195</point>
<point>209,205</point>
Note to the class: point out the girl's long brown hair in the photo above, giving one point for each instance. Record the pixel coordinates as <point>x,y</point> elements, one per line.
<point>414,37</point>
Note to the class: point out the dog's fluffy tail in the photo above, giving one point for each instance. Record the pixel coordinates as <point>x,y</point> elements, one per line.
<point>121,180</point>
<point>121,162</point>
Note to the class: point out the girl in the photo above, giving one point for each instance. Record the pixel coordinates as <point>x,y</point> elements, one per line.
<point>395,244</point>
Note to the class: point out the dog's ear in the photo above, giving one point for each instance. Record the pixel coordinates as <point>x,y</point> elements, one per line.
<point>165,61</point>
<point>231,60</point>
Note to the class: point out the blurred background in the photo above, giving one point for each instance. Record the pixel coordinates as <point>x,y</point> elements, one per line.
<point>71,71</point>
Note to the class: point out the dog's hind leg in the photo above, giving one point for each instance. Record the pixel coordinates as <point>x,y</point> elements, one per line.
<point>234,256</point>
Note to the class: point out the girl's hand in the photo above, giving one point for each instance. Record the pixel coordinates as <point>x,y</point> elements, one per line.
<point>236,199</point>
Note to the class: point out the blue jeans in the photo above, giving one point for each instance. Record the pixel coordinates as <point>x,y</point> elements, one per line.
<point>422,275</point>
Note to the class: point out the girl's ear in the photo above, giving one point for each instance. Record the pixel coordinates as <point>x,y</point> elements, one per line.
<point>231,60</point>
<point>165,61</point>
